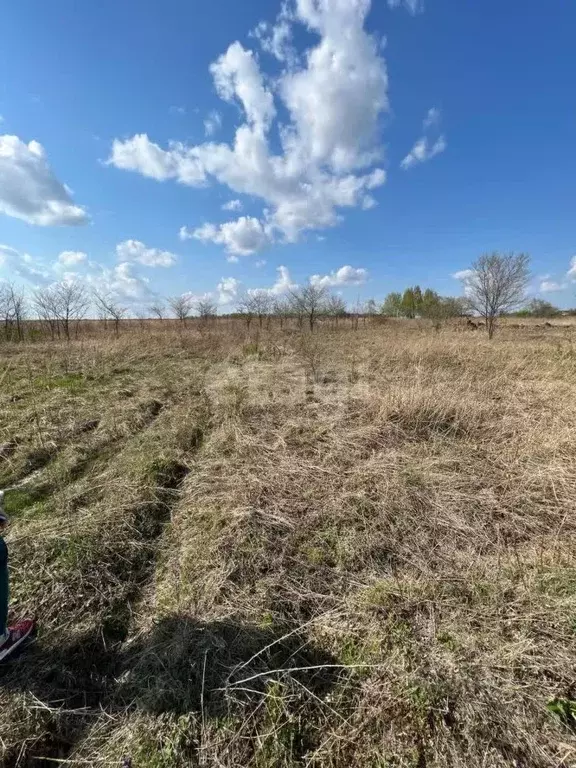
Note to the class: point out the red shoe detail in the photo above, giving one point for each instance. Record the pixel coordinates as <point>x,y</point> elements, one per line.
<point>17,634</point>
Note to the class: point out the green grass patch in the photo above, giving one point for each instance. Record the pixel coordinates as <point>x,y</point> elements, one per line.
<point>251,349</point>
<point>564,710</point>
<point>73,382</point>
<point>21,500</point>
<point>559,582</point>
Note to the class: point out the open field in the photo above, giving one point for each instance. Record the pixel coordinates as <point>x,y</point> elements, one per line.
<point>348,549</point>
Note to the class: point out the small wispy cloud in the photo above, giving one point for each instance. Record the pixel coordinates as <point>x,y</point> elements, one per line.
<point>551,286</point>
<point>423,151</point>
<point>232,205</point>
<point>432,118</point>
<point>429,145</point>
<point>212,123</point>
<point>412,6</point>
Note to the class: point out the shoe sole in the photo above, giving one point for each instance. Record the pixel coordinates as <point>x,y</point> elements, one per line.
<point>7,651</point>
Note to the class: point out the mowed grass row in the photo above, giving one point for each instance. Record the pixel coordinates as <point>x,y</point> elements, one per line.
<point>354,548</point>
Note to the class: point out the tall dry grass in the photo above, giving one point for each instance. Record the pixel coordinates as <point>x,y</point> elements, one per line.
<point>352,548</point>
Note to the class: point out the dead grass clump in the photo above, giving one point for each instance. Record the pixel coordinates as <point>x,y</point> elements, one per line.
<point>425,415</point>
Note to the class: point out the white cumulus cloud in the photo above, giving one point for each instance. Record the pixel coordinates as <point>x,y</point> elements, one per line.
<point>463,274</point>
<point>120,282</point>
<point>336,99</point>
<point>346,275</point>
<point>227,290</point>
<point>13,263</point>
<point>465,277</point>
<point>134,250</point>
<point>237,77</point>
<point>70,258</point>
<point>276,39</point>
<point>142,155</point>
<point>571,274</point>
<point>332,102</point>
<point>242,237</point>
<point>29,189</point>
<point>283,284</point>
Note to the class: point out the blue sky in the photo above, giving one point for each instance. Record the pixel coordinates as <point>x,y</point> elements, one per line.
<point>368,145</point>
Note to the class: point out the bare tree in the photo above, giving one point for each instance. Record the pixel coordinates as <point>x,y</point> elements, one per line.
<point>18,303</point>
<point>309,302</point>
<point>371,308</point>
<point>141,316</point>
<point>5,308</point>
<point>497,284</point>
<point>296,309</point>
<point>335,307</point>
<point>110,309</point>
<point>12,310</point>
<point>281,309</point>
<point>158,309</point>
<point>44,302</point>
<point>206,309</point>
<point>70,303</point>
<point>357,310</point>
<point>261,303</point>
<point>246,309</point>
<point>181,306</point>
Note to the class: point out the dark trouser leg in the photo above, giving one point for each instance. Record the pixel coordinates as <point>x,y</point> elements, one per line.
<point>4,590</point>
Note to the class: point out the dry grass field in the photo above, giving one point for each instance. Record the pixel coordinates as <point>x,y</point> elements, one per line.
<point>351,549</point>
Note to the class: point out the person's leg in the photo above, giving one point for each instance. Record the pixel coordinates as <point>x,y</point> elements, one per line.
<point>4,589</point>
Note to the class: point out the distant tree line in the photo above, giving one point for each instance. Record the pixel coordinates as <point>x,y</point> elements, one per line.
<point>540,308</point>
<point>495,286</point>
<point>427,304</point>
<point>306,304</point>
